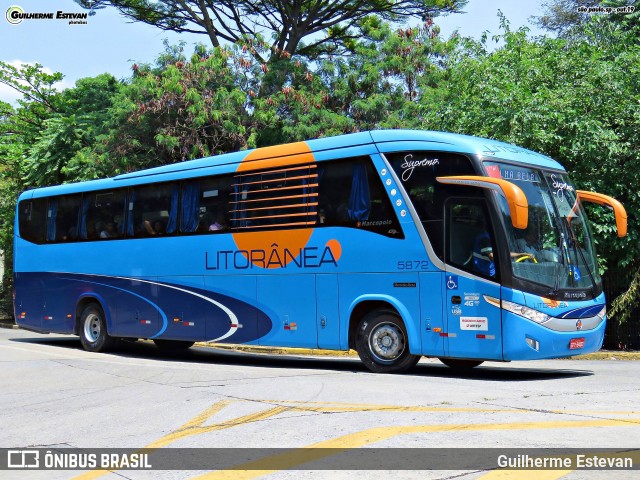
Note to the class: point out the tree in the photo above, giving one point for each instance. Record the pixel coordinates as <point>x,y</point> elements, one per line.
<point>289,23</point>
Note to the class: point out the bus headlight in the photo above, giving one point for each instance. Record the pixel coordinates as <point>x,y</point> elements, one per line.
<point>602,313</point>
<point>526,312</point>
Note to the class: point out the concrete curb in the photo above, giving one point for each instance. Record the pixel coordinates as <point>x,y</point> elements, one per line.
<point>8,324</point>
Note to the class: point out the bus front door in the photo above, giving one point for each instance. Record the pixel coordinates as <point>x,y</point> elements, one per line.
<point>474,326</point>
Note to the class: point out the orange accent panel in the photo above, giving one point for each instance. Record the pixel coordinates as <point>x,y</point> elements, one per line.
<point>517,200</point>
<point>272,157</point>
<point>336,248</point>
<point>277,240</point>
<point>618,208</point>
<point>277,156</point>
<point>280,170</point>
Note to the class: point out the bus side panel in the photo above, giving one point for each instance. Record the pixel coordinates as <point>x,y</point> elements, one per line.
<point>252,322</point>
<point>60,296</point>
<point>328,317</point>
<point>136,307</point>
<point>29,301</point>
<point>186,313</point>
<point>432,319</point>
<point>290,302</point>
<point>400,290</point>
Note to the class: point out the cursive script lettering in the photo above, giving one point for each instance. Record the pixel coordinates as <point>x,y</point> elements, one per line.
<point>409,165</point>
<point>560,187</point>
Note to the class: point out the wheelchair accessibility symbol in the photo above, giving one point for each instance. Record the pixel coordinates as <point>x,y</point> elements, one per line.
<point>452,282</point>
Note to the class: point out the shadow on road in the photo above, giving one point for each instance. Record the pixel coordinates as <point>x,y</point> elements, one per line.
<point>493,371</point>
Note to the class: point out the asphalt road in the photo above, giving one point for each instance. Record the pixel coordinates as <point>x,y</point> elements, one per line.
<point>55,395</point>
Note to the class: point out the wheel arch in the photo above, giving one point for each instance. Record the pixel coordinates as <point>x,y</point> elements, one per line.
<point>365,304</point>
<point>86,299</point>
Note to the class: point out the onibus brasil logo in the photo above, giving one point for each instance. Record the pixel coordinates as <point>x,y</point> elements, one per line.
<point>16,14</point>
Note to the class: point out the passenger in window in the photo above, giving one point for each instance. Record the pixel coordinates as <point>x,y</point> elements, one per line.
<point>109,230</point>
<point>150,229</point>
<point>71,235</point>
<point>218,224</point>
<point>322,216</point>
<point>158,227</point>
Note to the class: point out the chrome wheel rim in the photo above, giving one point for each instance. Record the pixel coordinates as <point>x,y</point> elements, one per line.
<point>92,327</point>
<point>386,342</point>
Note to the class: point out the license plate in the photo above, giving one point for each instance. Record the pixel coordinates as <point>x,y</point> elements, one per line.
<point>576,343</point>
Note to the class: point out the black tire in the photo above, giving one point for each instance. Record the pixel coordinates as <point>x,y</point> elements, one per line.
<point>459,364</point>
<point>381,343</point>
<point>173,345</point>
<point>93,330</point>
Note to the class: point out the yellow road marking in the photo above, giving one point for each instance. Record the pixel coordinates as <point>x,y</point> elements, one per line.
<point>350,407</point>
<point>195,427</point>
<point>337,445</point>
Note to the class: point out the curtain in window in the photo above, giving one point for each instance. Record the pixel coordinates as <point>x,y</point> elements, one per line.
<point>86,202</point>
<point>190,214</point>
<point>360,198</point>
<point>172,223</point>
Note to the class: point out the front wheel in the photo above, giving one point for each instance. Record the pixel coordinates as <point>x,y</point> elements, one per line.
<point>382,344</point>
<point>460,364</point>
<point>93,330</point>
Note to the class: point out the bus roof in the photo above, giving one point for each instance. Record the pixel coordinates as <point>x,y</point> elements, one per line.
<point>433,140</point>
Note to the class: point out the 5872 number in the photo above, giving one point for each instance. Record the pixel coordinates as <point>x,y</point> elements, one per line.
<point>413,264</point>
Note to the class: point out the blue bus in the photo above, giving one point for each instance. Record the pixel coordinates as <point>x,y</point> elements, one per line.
<point>397,244</point>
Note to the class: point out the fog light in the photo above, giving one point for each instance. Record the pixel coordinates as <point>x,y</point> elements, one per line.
<point>533,343</point>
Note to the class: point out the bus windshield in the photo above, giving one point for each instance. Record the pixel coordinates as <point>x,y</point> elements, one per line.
<point>556,249</point>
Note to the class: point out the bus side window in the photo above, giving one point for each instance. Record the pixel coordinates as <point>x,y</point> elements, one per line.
<point>352,194</point>
<point>62,218</point>
<point>32,220</point>
<point>153,210</point>
<point>102,215</point>
<point>204,205</point>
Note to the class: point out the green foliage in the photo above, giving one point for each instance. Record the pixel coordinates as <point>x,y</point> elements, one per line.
<point>625,304</point>
<point>176,111</point>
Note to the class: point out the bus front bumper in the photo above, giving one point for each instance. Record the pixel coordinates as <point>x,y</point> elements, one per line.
<point>526,340</point>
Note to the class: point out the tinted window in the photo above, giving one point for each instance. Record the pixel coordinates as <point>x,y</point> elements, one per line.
<point>417,172</point>
<point>153,210</point>
<point>205,205</point>
<point>345,193</point>
<point>32,220</point>
<point>62,218</point>
<point>351,194</point>
<point>102,215</point>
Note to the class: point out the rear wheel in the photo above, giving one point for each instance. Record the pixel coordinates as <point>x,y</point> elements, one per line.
<point>382,344</point>
<point>172,345</point>
<point>460,364</point>
<point>93,330</point>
